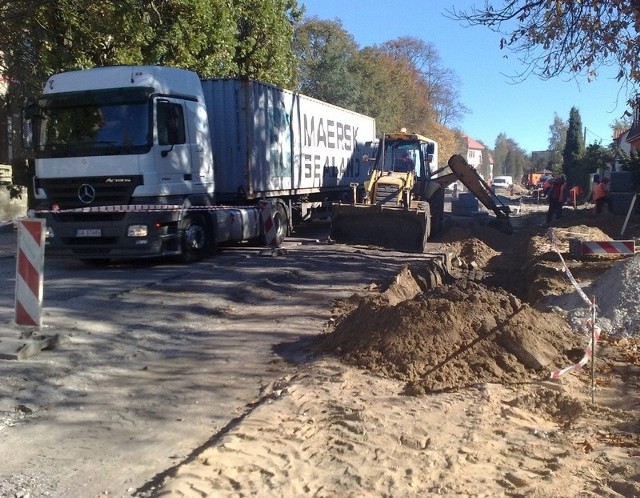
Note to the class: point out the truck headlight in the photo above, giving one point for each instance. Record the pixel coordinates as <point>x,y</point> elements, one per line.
<point>137,231</point>
<point>48,233</point>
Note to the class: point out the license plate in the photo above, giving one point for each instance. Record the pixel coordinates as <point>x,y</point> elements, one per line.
<point>88,232</point>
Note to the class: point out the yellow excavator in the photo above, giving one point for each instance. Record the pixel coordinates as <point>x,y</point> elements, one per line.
<point>403,201</point>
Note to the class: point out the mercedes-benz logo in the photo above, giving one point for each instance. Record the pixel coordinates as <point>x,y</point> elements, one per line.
<point>86,193</point>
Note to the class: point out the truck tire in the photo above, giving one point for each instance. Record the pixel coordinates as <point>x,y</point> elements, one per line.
<point>197,238</point>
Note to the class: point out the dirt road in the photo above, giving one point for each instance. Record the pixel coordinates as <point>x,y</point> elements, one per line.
<point>202,381</point>
<point>162,358</point>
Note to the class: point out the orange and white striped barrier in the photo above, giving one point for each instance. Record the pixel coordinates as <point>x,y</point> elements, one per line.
<point>29,268</point>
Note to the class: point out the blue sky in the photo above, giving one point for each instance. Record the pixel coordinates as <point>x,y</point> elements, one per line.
<point>524,111</point>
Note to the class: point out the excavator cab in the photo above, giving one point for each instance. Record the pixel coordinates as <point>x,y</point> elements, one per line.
<point>402,206</point>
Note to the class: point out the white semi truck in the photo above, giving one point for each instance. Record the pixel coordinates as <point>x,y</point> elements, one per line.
<point>144,161</point>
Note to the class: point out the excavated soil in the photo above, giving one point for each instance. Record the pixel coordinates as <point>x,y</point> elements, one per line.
<point>453,336</point>
<point>492,321</point>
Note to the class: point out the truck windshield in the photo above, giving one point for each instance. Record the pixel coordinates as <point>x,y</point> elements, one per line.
<point>95,129</point>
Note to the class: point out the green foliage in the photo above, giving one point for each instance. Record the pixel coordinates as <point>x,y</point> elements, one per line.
<point>574,148</point>
<point>509,158</point>
<point>595,157</point>
<point>263,45</point>
<point>557,141</point>
<point>326,62</point>
<point>631,162</point>
<point>212,37</point>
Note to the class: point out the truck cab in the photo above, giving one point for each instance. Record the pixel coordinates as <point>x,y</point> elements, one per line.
<point>114,148</point>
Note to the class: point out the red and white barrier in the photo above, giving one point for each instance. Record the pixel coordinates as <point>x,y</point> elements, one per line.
<point>270,233</point>
<point>609,247</point>
<point>29,268</point>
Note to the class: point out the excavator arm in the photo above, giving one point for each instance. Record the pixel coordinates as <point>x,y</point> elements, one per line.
<point>483,192</point>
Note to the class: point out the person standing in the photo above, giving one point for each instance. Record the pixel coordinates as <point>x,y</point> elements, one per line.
<point>557,196</point>
<point>601,196</point>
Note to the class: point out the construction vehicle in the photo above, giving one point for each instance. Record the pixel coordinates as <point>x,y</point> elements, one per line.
<point>147,161</point>
<point>403,202</point>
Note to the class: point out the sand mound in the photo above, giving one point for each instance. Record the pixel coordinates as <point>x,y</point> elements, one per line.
<point>450,337</point>
<point>616,295</point>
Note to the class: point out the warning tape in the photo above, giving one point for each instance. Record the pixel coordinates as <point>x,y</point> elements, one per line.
<point>588,354</point>
<point>138,208</point>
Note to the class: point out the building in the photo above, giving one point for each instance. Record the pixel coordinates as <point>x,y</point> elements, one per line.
<point>633,134</point>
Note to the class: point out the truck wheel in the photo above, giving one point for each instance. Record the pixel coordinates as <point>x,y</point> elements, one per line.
<point>196,238</point>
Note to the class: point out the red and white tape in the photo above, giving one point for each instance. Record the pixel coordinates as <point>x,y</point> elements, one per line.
<point>588,354</point>
<point>138,208</point>
<point>29,277</point>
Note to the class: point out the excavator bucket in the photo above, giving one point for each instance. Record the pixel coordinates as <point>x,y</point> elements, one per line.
<point>394,228</point>
<point>478,187</point>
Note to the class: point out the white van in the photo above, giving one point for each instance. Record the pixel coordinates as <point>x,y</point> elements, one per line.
<point>502,181</point>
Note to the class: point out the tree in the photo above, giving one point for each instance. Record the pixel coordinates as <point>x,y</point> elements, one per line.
<point>557,140</point>
<point>263,43</point>
<point>555,37</point>
<point>213,37</point>
<point>631,162</point>
<point>509,158</point>
<point>326,53</point>
<point>384,90</point>
<point>442,84</point>
<point>574,147</point>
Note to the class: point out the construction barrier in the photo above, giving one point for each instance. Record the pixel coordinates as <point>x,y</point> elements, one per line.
<point>589,352</point>
<point>271,236</point>
<point>29,277</point>
<point>579,248</point>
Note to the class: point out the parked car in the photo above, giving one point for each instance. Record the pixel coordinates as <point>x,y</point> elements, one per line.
<point>502,181</point>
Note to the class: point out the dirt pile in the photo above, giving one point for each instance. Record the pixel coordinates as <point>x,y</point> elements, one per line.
<point>453,336</point>
<point>472,330</point>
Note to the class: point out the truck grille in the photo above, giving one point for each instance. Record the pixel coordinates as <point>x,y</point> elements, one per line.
<point>387,194</point>
<point>109,190</point>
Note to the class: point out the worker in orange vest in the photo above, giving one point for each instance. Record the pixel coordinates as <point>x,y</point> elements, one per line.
<point>557,196</point>
<point>601,196</point>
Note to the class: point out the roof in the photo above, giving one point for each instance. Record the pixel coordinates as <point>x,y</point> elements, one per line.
<point>474,144</point>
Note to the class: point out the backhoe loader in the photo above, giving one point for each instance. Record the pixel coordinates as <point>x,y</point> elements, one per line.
<point>403,202</point>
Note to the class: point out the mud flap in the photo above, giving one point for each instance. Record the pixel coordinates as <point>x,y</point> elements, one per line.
<point>390,227</point>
